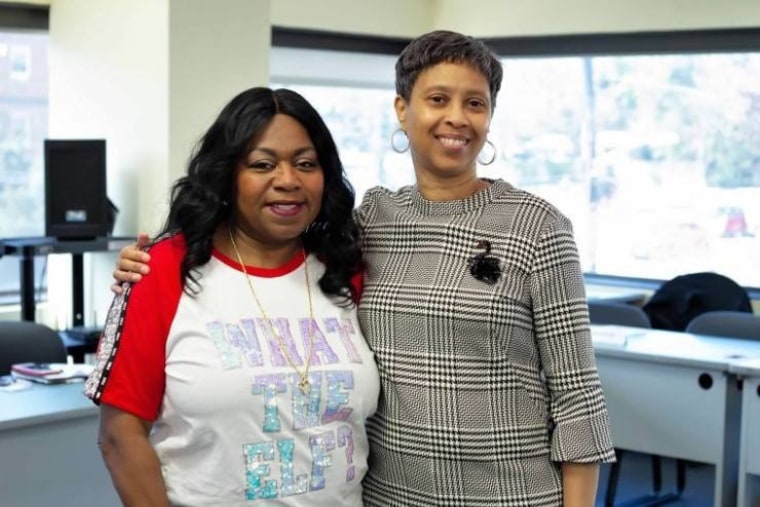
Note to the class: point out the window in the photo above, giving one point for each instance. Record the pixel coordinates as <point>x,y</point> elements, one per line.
<point>653,155</point>
<point>655,158</point>
<point>23,127</point>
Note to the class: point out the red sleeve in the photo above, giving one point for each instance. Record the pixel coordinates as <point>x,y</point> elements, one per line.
<point>135,380</point>
<point>357,281</point>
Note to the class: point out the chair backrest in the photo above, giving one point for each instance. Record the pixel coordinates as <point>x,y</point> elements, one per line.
<point>602,312</point>
<point>684,297</point>
<point>726,323</point>
<point>22,341</point>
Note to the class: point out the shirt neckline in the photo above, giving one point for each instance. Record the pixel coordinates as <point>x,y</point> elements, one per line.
<point>290,266</point>
<point>473,202</point>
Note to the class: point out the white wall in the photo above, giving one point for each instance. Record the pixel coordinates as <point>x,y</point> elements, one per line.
<point>34,2</point>
<point>149,76</point>
<point>105,82</point>
<point>493,18</point>
<point>217,48</point>
<point>392,18</point>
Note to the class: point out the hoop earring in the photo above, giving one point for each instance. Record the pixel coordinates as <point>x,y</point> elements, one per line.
<point>393,141</point>
<point>491,159</point>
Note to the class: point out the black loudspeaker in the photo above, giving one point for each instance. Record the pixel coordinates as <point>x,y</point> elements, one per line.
<point>76,204</point>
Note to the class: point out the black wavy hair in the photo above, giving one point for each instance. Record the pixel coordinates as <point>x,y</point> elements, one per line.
<point>443,46</point>
<point>203,199</point>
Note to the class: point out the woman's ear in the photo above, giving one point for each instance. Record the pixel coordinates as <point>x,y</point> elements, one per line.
<point>400,105</point>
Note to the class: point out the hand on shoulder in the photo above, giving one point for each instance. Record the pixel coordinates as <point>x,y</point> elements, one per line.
<point>132,263</point>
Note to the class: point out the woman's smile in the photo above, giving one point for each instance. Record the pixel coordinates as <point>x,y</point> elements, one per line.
<point>286,209</point>
<point>453,143</point>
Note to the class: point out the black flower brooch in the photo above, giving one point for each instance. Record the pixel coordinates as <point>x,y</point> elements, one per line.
<point>483,266</point>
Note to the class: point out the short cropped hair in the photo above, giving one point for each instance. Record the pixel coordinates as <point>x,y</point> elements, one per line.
<point>443,46</point>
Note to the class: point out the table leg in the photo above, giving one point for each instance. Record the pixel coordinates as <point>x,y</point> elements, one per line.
<point>727,469</point>
<point>28,303</point>
<point>77,290</point>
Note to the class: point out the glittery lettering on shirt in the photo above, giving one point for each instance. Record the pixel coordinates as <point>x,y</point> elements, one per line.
<point>306,406</point>
<point>321,458</point>
<point>276,345</point>
<point>338,382</point>
<point>322,353</point>
<point>229,357</point>
<point>270,386</point>
<point>256,471</point>
<point>247,341</point>
<point>346,439</point>
<point>345,330</point>
<point>291,484</point>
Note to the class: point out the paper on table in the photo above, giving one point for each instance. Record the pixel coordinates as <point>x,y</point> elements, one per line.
<point>610,336</point>
<point>35,369</point>
<point>68,373</point>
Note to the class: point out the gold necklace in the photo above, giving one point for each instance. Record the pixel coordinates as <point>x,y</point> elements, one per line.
<point>303,384</point>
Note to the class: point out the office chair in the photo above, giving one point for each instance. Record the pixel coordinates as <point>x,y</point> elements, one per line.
<point>22,341</point>
<point>683,298</point>
<point>726,323</point>
<point>601,312</point>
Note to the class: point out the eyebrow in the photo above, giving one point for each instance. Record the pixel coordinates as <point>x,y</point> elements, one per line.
<point>273,153</point>
<point>449,89</point>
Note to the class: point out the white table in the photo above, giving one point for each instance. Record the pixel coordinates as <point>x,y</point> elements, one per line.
<point>673,394</point>
<point>749,454</point>
<point>48,449</point>
<point>613,294</point>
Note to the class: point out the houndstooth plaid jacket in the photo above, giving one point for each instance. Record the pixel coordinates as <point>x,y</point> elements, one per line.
<point>485,387</point>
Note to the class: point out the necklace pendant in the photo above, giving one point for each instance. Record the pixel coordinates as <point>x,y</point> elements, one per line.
<point>304,385</point>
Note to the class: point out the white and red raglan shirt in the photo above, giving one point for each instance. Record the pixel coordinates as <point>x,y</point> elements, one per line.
<point>230,425</point>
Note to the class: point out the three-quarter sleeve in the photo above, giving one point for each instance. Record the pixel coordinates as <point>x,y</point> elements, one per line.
<point>577,406</point>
